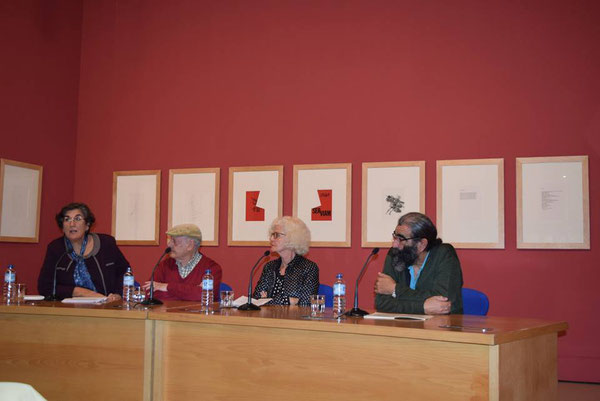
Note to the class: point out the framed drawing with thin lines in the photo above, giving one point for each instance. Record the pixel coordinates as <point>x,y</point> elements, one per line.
<point>470,202</point>
<point>20,201</point>
<point>389,191</point>
<point>553,207</point>
<point>194,198</point>
<point>322,199</point>
<point>255,200</point>
<point>136,207</point>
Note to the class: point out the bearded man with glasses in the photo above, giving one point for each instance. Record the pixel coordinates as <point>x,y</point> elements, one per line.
<point>421,274</point>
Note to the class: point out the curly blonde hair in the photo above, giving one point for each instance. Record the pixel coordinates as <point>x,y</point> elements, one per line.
<point>297,234</point>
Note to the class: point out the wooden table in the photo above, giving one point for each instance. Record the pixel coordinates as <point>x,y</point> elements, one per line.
<point>174,353</point>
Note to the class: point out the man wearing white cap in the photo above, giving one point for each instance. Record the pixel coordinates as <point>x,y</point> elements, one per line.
<point>179,277</point>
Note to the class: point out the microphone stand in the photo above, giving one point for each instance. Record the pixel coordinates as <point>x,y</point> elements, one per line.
<point>356,312</point>
<point>151,300</point>
<point>249,305</point>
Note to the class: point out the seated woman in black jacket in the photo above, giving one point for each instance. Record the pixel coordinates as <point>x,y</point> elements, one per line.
<point>86,264</point>
<point>291,279</point>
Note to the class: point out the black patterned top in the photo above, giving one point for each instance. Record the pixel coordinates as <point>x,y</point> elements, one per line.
<point>301,280</point>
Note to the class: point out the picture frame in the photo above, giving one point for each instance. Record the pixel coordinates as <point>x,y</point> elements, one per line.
<point>136,207</point>
<point>553,210</point>
<point>20,201</point>
<point>322,198</point>
<point>255,200</point>
<point>470,203</point>
<point>194,198</point>
<point>389,190</point>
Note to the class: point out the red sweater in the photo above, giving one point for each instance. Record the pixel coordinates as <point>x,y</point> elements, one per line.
<point>189,288</point>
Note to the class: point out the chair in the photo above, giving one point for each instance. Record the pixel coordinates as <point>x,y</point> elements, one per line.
<point>224,287</point>
<point>327,290</point>
<point>10,391</point>
<point>475,302</point>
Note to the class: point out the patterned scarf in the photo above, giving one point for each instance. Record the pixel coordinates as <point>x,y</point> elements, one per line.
<point>81,275</point>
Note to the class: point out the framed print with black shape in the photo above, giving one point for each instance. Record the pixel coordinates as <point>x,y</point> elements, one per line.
<point>389,190</point>
<point>255,200</point>
<point>322,199</point>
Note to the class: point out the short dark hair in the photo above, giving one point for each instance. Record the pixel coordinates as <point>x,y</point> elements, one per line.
<point>88,216</point>
<point>421,226</point>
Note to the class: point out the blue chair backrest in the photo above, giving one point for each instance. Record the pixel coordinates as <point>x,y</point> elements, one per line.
<point>224,287</point>
<point>327,290</point>
<point>475,302</point>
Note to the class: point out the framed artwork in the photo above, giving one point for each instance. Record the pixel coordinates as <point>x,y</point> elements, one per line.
<point>389,190</point>
<point>136,207</point>
<point>470,202</point>
<point>255,200</point>
<point>322,199</point>
<point>20,201</point>
<point>553,208</point>
<point>194,198</point>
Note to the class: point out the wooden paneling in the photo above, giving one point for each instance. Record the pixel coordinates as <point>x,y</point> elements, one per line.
<point>229,362</point>
<point>74,358</point>
<point>527,369</point>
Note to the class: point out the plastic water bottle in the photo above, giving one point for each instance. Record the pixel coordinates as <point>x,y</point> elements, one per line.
<point>207,291</point>
<point>128,285</point>
<point>339,295</point>
<point>10,284</point>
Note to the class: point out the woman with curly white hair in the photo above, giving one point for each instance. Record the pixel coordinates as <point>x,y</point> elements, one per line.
<point>290,279</point>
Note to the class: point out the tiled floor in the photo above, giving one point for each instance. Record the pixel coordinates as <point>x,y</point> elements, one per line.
<point>578,392</point>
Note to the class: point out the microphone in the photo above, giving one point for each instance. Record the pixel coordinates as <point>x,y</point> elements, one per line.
<point>250,305</point>
<point>53,296</point>
<point>356,312</point>
<point>151,300</point>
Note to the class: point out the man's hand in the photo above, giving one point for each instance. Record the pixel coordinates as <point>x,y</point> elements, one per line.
<point>384,284</point>
<point>157,286</point>
<point>437,305</point>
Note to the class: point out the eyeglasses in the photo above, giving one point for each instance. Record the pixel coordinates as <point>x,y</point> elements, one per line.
<point>276,235</point>
<point>402,238</point>
<point>77,218</point>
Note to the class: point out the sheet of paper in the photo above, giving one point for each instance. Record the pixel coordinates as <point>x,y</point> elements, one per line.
<point>396,316</point>
<point>84,300</point>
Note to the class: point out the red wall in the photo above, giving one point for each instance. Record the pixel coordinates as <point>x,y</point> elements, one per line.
<point>235,83</point>
<point>39,81</point>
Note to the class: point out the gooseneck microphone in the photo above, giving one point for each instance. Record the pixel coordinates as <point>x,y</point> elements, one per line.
<point>249,305</point>
<point>151,300</point>
<point>53,297</point>
<point>356,311</point>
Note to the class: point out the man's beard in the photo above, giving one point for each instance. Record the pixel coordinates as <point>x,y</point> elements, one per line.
<point>403,258</point>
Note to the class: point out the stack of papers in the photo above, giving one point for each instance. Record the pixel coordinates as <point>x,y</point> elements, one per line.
<point>244,300</point>
<point>85,300</point>
<point>397,316</point>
